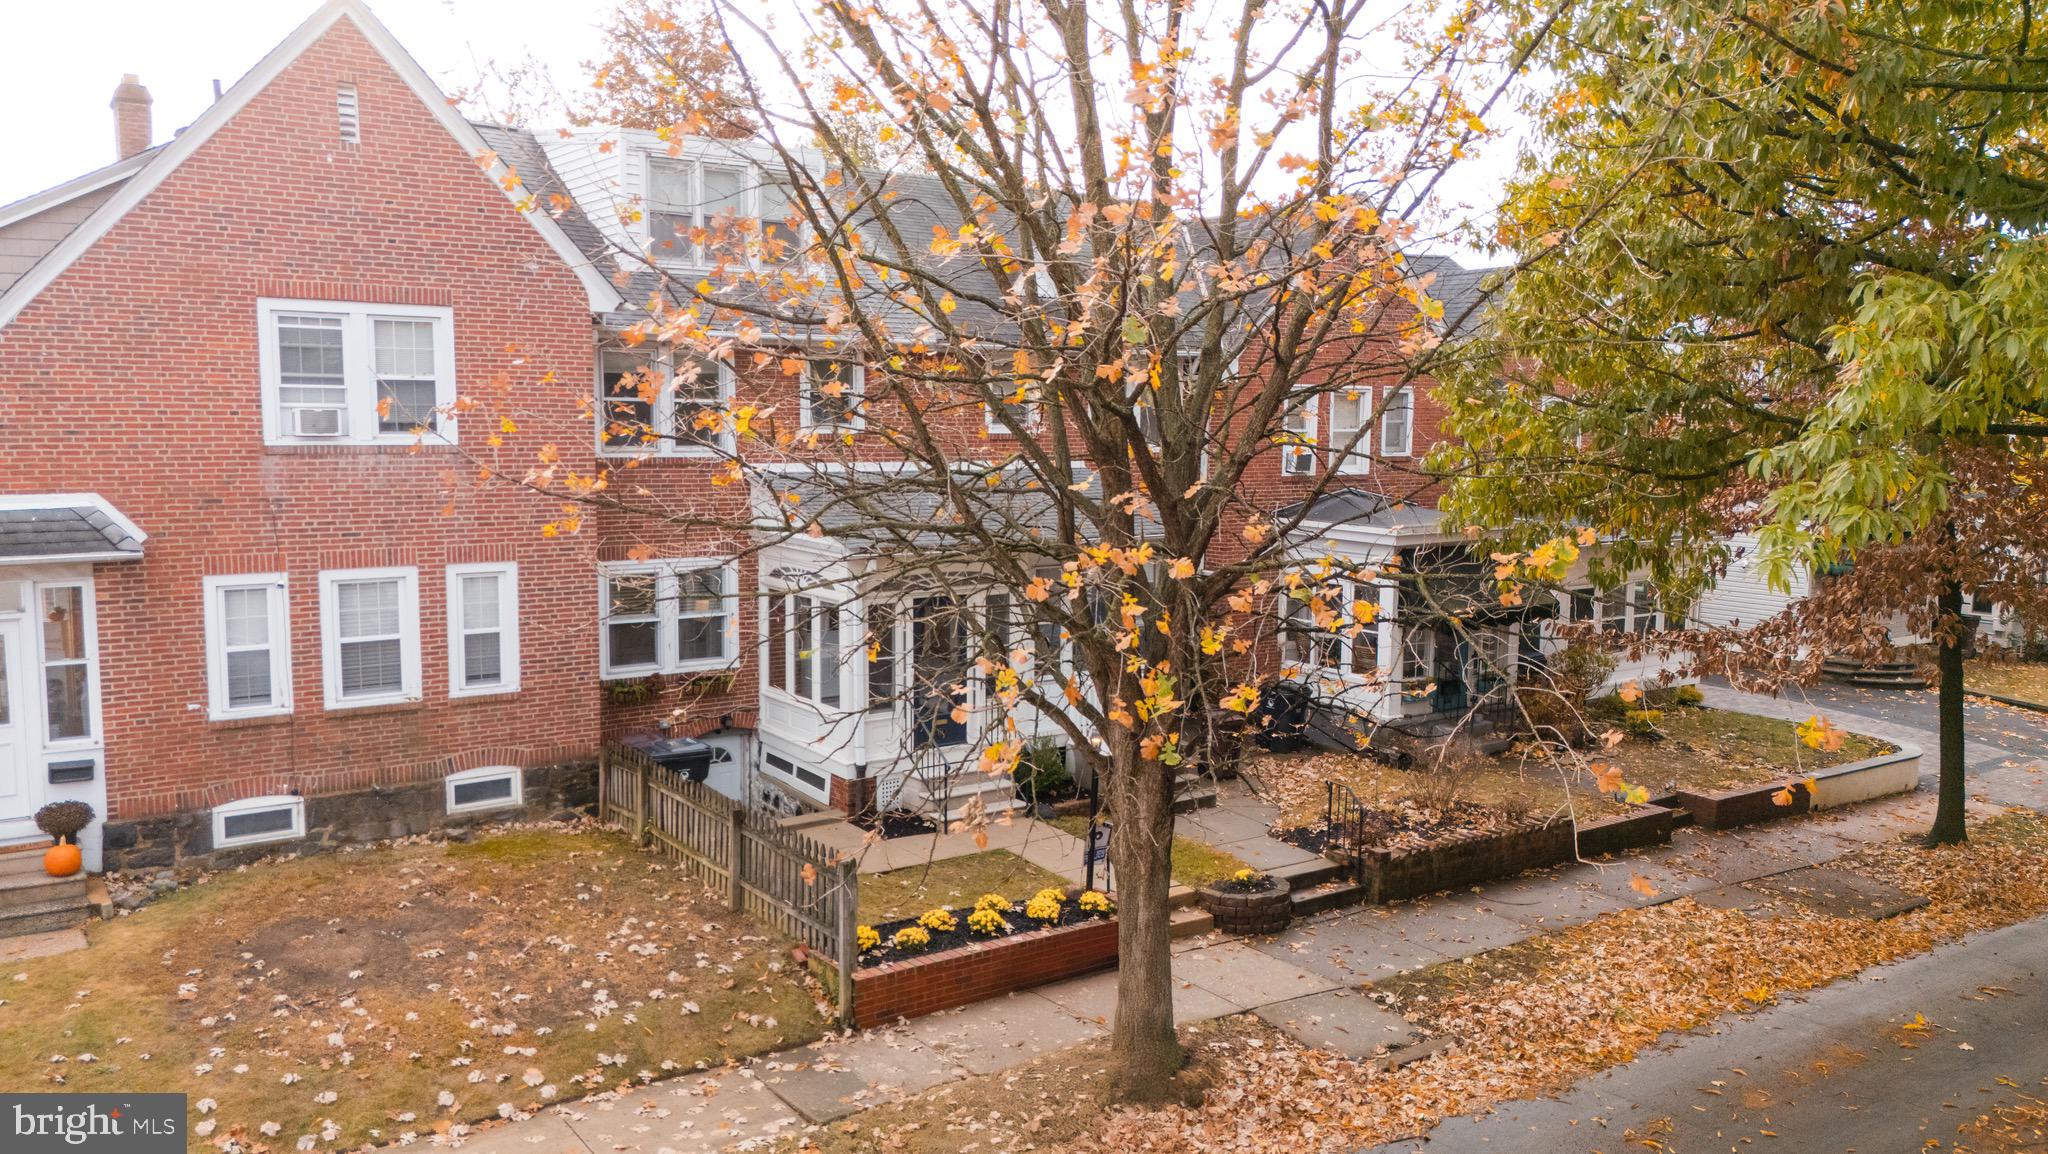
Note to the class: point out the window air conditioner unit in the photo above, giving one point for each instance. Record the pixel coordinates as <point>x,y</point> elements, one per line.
<point>1298,462</point>
<point>316,422</point>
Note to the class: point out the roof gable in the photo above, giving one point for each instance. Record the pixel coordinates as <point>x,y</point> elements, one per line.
<point>164,160</point>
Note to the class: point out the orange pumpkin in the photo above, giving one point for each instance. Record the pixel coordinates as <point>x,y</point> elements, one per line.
<point>61,861</point>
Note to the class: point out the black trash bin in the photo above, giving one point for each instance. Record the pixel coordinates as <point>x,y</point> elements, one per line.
<point>1280,723</point>
<point>686,757</point>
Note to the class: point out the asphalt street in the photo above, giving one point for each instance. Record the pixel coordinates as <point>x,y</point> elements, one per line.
<point>1896,1060</point>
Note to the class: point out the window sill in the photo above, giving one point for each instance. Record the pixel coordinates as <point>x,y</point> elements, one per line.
<point>249,720</point>
<point>481,696</point>
<point>375,708</point>
<point>342,448</point>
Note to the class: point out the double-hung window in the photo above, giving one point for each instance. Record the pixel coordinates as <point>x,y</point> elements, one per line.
<point>685,198</point>
<point>667,616</point>
<point>1298,450</point>
<point>336,373</point>
<point>1397,424</point>
<point>248,647</point>
<point>483,629</point>
<point>661,404</point>
<point>832,391</point>
<point>1351,429</point>
<point>370,636</point>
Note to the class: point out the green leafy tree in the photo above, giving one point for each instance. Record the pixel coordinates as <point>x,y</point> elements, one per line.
<point>1782,271</point>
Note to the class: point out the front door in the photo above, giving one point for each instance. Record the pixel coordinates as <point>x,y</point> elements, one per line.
<point>938,668</point>
<point>16,800</point>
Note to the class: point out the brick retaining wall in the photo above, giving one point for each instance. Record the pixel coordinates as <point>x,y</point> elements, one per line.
<point>959,977</point>
<point>1465,860</point>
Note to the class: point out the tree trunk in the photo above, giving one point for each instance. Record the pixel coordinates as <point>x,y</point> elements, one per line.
<point>1949,639</point>
<point>1146,1052</point>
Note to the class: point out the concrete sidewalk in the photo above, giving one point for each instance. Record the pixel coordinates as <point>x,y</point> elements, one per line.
<point>1304,981</point>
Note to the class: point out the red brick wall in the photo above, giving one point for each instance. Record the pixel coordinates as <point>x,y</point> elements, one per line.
<point>910,989</point>
<point>135,376</point>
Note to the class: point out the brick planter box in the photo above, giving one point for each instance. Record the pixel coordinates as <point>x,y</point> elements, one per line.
<point>1265,912</point>
<point>1645,825</point>
<point>949,979</point>
<point>1453,863</point>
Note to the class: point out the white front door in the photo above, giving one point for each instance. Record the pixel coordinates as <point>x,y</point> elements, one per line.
<point>17,797</point>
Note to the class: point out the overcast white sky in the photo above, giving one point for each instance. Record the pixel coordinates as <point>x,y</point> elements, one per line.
<point>58,66</point>
<point>57,71</point>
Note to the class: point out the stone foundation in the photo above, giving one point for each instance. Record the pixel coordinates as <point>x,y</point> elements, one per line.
<point>185,840</point>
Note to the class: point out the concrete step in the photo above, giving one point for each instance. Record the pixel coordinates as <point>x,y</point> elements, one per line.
<point>24,889</point>
<point>1186,923</point>
<point>1309,874</point>
<point>1328,896</point>
<point>60,916</point>
<point>1189,800</point>
<point>1179,898</point>
<point>25,860</point>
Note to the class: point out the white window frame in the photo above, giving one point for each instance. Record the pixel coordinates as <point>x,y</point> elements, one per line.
<point>856,396</point>
<point>1358,460</point>
<point>1292,454</point>
<point>667,440</point>
<point>682,251</point>
<point>278,601</point>
<point>359,377</point>
<point>667,616</point>
<point>507,573</point>
<point>408,578</point>
<point>783,610</point>
<point>296,804</point>
<point>37,669</point>
<point>485,773</point>
<point>1407,445</point>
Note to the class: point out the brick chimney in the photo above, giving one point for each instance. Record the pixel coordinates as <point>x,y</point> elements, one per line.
<point>131,116</point>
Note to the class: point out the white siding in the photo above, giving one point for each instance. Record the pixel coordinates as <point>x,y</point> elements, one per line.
<point>1743,597</point>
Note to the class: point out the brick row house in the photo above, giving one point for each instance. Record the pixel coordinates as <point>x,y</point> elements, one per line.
<point>246,603</point>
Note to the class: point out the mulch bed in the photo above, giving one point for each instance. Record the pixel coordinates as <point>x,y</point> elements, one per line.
<point>897,823</point>
<point>1071,914</point>
<point>1398,827</point>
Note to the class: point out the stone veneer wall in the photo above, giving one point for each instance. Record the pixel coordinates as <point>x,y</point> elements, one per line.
<point>186,839</point>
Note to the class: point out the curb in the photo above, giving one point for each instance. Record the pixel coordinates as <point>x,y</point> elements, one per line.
<point>2002,699</point>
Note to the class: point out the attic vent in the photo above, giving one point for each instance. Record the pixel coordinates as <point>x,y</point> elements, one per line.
<point>351,122</point>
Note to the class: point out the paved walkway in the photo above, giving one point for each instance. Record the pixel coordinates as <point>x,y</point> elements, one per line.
<point>1034,841</point>
<point>1305,981</point>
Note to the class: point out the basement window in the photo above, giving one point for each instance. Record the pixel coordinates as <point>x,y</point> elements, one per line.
<point>492,787</point>
<point>257,820</point>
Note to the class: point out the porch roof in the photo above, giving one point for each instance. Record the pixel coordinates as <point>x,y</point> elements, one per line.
<point>41,528</point>
<point>1366,511</point>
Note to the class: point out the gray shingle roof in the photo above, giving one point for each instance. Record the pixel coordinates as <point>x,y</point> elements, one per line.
<point>64,530</point>
<point>1360,508</point>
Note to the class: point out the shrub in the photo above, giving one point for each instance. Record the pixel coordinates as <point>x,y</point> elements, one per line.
<point>1642,722</point>
<point>1096,903</point>
<point>1688,696</point>
<point>1041,773</point>
<point>996,902</point>
<point>63,819</point>
<point>1043,907</point>
<point>987,922</point>
<point>941,920</point>
<point>911,938</point>
<point>866,938</point>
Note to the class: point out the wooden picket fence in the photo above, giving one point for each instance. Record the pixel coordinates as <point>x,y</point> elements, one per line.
<point>776,875</point>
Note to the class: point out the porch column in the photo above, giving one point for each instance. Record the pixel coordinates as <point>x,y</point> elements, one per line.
<point>1388,705</point>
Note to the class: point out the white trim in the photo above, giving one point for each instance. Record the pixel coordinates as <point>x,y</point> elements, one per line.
<point>854,396</point>
<point>408,579</point>
<point>507,573</point>
<point>89,604</point>
<point>248,805</point>
<point>1407,448</point>
<point>360,420</point>
<point>1358,460</point>
<point>662,412</point>
<point>601,294</point>
<point>486,773</point>
<point>278,604</point>
<point>666,616</point>
<point>37,203</point>
<point>1308,448</point>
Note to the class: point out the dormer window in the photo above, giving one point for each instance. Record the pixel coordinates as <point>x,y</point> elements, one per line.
<point>686,195</point>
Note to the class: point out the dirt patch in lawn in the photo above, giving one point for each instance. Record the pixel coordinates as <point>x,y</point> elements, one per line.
<point>2020,680</point>
<point>1696,748</point>
<point>355,997</point>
